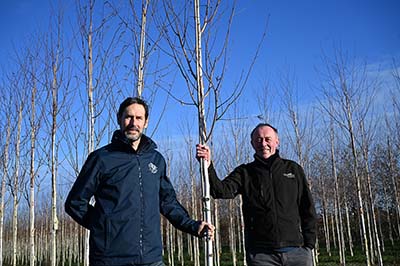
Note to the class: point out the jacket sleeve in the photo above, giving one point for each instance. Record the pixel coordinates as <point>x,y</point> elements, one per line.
<point>227,188</point>
<point>77,204</point>
<point>173,210</point>
<point>307,213</point>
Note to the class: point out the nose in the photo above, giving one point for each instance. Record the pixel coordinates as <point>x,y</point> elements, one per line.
<point>132,121</point>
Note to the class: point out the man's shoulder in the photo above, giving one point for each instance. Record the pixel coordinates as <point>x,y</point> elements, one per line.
<point>287,161</point>
<point>244,166</point>
<point>103,151</point>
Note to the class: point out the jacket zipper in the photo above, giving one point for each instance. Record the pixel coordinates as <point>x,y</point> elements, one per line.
<point>141,209</point>
<point>274,207</point>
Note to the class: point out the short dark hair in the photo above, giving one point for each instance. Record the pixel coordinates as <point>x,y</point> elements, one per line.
<point>132,100</point>
<point>262,125</point>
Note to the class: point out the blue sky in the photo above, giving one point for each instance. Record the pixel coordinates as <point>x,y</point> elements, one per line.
<point>298,32</point>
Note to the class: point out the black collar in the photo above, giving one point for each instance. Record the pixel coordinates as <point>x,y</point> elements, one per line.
<point>269,161</point>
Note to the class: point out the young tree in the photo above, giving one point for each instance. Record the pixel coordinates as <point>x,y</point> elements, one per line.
<point>56,84</point>
<point>337,199</point>
<point>98,67</point>
<point>366,141</point>
<point>203,71</point>
<point>32,172</point>
<point>6,115</point>
<point>54,112</point>
<point>393,124</point>
<point>29,63</point>
<point>15,188</point>
<point>348,87</point>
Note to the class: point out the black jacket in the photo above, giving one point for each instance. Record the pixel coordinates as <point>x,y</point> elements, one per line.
<point>130,190</point>
<point>278,209</point>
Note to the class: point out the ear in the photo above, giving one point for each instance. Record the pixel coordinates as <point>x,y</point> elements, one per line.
<point>119,121</point>
<point>252,144</point>
<point>146,123</point>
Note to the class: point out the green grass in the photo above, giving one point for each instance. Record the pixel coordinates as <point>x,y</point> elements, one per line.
<point>391,257</point>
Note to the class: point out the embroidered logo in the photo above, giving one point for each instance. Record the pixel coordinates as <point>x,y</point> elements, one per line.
<point>152,168</point>
<point>289,175</point>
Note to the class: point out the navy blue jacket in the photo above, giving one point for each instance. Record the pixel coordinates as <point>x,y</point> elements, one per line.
<point>130,189</point>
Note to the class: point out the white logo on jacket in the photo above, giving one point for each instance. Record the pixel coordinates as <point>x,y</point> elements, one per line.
<point>289,175</point>
<point>152,168</point>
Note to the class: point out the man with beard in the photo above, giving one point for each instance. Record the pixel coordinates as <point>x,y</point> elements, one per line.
<point>128,181</point>
<point>278,210</point>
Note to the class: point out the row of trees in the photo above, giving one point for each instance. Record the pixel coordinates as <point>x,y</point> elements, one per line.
<point>59,99</point>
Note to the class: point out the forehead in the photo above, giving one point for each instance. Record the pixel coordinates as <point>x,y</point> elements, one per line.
<point>264,131</point>
<point>135,109</point>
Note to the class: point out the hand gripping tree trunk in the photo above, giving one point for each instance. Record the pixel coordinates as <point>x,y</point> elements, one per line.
<point>205,185</point>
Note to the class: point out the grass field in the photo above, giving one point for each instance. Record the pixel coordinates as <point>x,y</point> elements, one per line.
<point>391,257</point>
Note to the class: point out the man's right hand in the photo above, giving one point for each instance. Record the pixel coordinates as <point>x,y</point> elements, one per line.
<point>203,152</point>
<point>207,230</point>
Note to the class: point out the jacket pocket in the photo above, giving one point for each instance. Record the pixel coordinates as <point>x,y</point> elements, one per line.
<point>97,236</point>
<point>121,237</point>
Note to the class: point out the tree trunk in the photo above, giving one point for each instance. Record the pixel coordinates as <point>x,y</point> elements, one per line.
<point>337,209</point>
<point>382,237</point>
<point>387,210</point>
<point>54,220</point>
<point>15,188</point>
<point>3,185</point>
<point>194,251</point>
<point>350,238</point>
<point>359,187</point>
<point>32,258</point>
<point>232,236</point>
<point>140,76</point>
<point>370,233</point>
<point>375,233</point>
<point>179,241</point>
<point>242,229</point>
<point>394,184</point>
<point>202,133</point>
<point>325,219</point>
<point>91,111</point>
<point>218,249</point>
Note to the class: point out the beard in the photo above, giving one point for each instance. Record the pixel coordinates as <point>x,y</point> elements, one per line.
<point>132,137</point>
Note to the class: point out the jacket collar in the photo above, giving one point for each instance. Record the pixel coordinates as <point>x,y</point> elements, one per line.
<point>267,162</point>
<point>121,140</point>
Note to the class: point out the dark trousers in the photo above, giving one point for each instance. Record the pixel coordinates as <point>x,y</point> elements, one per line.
<point>159,263</point>
<point>295,257</point>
